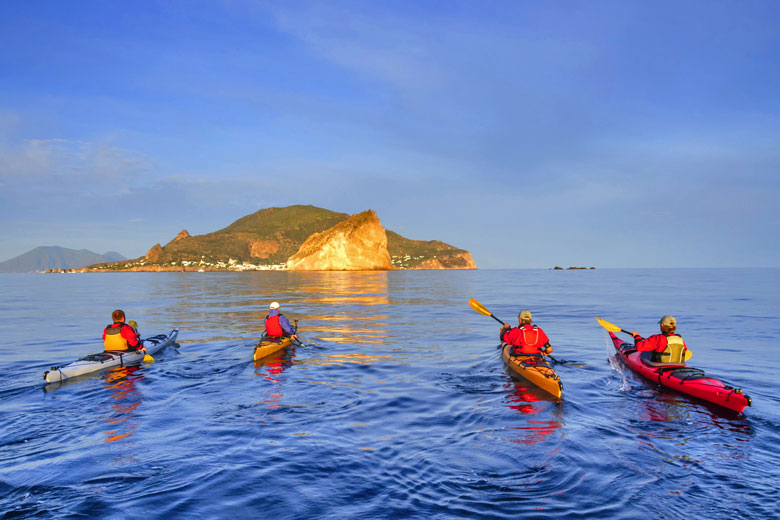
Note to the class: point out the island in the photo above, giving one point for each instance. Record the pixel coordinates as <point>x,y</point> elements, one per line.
<point>296,238</point>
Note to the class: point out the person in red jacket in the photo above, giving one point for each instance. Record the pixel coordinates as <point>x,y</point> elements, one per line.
<point>277,324</point>
<point>121,336</point>
<point>526,339</point>
<point>667,347</point>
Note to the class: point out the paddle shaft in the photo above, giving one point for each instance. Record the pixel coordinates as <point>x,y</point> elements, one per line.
<point>299,342</point>
<point>500,321</point>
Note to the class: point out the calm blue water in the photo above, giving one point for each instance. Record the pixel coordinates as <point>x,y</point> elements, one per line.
<point>398,407</point>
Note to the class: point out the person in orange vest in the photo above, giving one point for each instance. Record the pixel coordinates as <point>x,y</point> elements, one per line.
<point>277,324</point>
<point>526,339</point>
<point>121,336</point>
<point>667,346</point>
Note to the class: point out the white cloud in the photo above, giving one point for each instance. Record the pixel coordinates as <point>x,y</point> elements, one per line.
<point>67,161</point>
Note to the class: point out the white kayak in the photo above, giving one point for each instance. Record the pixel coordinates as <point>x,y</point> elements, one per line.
<point>103,360</point>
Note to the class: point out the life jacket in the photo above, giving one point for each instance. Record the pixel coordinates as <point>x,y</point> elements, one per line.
<point>674,351</point>
<point>272,326</point>
<point>114,339</point>
<point>531,340</point>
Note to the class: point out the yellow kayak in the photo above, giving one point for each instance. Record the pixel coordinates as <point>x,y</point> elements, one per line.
<point>535,369</point>
<point>270,345</point>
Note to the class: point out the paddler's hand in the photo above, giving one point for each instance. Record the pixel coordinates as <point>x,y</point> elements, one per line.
<point>634,334</point>
<point>506,326</point>
<point>294,336</point>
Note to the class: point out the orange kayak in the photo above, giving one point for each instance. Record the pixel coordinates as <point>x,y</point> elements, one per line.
<point>535,369</point>
<point>270,345</point>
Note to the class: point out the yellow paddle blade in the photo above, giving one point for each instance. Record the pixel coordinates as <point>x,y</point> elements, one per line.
<point>688,355</point>
<point>479,307</point>
<point>607,325</point>
<point>148,359</point>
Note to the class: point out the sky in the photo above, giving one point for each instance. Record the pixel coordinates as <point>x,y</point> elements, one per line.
<point>533,134</point>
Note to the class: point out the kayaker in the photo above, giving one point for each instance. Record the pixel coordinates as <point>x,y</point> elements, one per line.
<point>527,339</point>
<point>121,336</point>
<point>277,324</point>
<point>667,347</point>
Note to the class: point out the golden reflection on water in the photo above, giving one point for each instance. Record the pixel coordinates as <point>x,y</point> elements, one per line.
<point>340,288</point>
<point>337,306</point>
<point>343,359</point>
<point>362,289</point>
<point>125,399</point>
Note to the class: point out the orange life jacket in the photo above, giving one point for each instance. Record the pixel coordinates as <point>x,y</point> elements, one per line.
<point>114,339</point>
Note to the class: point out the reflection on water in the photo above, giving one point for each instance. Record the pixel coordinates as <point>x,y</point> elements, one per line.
<point>342,359</point>
<point>665,406</point>
<point>344,289</point>
<point>537,405</point>
<point>125,399</point>
<point>337,306</point>
<point>272,365</point>
<point>359,293</point>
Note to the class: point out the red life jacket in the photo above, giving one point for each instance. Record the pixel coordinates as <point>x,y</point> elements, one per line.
<point>529,338</point>
<point>272,326</point>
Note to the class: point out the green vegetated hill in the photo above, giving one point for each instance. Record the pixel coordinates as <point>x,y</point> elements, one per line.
<point>268,236</point>
<point>406,253</point>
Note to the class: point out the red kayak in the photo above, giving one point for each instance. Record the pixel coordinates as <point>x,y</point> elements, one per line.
<point>682,378</point>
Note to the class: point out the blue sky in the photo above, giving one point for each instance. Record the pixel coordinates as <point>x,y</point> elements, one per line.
<point>534,134</point>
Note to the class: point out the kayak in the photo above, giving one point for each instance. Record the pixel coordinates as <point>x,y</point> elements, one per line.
<point>535,369</point>
<point>270,345</point>
<point>108,359</point>
<point>682,378</point>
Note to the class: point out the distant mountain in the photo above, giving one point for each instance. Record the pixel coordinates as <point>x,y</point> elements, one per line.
<point>275,238</point>
<point>55,257</point>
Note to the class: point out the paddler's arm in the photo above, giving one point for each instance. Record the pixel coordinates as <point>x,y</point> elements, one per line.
<point>503,331</point>
<point>131,335</point>
<point>285,324</point>
<point>642,344</point>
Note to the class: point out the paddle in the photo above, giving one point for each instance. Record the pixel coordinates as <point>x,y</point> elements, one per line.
<point>296,340</point>
<point>614,328</point>
<point>147,357</point>
<point>611,327</point>
<point>483,310</point>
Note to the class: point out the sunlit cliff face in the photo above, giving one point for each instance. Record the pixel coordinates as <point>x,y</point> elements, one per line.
<point>356,244</point>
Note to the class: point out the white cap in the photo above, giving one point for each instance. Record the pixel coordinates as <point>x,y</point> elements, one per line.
<point>274,305</point>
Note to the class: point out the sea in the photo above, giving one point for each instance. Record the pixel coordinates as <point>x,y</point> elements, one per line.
<point>396,404</point>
